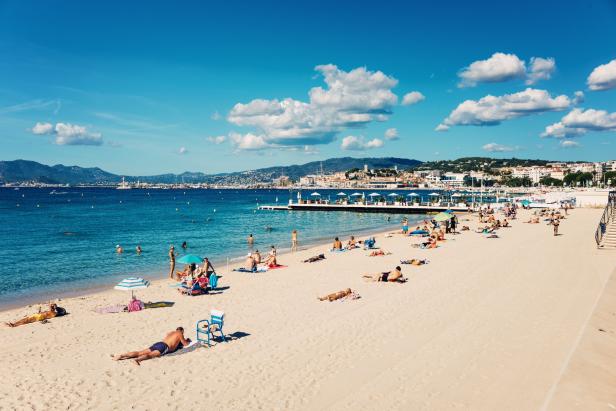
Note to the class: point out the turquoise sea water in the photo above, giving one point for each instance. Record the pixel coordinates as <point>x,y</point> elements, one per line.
<point>55,244</point>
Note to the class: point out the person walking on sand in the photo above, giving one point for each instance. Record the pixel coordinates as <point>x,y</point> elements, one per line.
<point>294,240</point>
<point>171,261</point>
<point>555,223</point>
<point>172,342</point>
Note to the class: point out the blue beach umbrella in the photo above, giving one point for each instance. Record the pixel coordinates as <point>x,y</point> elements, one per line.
<point>190,259</point>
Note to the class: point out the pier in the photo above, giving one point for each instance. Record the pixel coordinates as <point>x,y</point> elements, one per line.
<point>369,208</point>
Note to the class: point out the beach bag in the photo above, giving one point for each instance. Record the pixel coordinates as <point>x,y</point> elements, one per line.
<point>135,305</point>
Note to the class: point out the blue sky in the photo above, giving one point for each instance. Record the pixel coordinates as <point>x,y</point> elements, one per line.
<point>150,88</point>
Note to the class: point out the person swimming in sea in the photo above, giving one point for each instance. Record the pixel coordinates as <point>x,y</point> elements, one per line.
<point>119,249</point>
<point>138,249</point>
<point>172,342</point>
<point>184,245</point>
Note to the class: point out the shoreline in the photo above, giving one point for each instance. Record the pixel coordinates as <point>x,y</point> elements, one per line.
<point>156,277</point>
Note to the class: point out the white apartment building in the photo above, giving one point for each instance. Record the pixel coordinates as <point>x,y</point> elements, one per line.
<point>453,179</point>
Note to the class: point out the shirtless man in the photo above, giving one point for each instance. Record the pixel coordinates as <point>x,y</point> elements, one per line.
<point>207,267</point>
<point>172,342</point>
<point>257,257</point>
<point>390,276</point>
<point>251,240</point>
<point>294,240</point>
<point>171,261</point>
<point>54,311</point>
<point>337,244</point>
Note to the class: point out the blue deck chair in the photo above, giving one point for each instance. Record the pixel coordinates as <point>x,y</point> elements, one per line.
<point>213,281</point>
<point>204,333</point>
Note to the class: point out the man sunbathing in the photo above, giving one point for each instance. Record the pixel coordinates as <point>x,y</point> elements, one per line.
<point>389,276</point>
<point>54,311</point>
<point>336,296</point>
<point>315,258</point>
<point>414,261</point>
<point>172,342</point>
<point>378,253</point>
<point>351,244</point>
<point>337,244</point>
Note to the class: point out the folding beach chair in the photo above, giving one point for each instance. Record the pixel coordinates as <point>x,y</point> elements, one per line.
<point>204,327</point>
<point>213,281</point>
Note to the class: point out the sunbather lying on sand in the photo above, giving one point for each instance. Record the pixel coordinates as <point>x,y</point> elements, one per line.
<point>315,258</point>
<point>465,228</point>
<point>533,220</point>
<point>414,261</point>
<point>336,296</point>
<point>378,253</point>
<point>172,342</point>
<point>54,311</point>
<point>389,276</point>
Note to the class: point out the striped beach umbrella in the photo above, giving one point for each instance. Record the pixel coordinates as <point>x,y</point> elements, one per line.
<point>132,284</point>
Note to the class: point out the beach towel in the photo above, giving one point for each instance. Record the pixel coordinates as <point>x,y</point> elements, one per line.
<point>111,309</point>
<point>158,304</point>
<point>333,250</point>
<point>273,267</point>
<point>245,270</point>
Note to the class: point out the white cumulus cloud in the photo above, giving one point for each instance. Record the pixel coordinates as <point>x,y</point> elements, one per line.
<point>359,143</point>
<point>569,144</point>
<point>502,67</point>
<point>69,134</point>
<point>492,110</point>
<point>391,134</point>
<point>540,69</point>
<point>217,139</point>
<point>413,97</point>
<point>351,99</point>
<point>248,141</point>
<point>497,148</point>
<point>42,128</point>
<point>580,121</point>
<point>603,77</point>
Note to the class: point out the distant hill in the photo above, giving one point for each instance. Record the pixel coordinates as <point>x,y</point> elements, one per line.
<point>479,163</point>
<point>23,170</point>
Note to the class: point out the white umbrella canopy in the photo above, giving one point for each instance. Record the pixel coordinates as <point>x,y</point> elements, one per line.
<point>341,194</point>
<point>413,195</point>
<point>456,195</point>
<point>132,284</point>
<point>356,194</point>
<point>393,195</point>
<point>373,195</point>
<point>434,194</point>
<point>315,194</point>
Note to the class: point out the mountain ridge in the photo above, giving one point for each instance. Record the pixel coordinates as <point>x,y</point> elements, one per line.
<point>17,171</point>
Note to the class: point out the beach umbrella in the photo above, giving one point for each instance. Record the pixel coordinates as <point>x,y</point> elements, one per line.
<point>456,195</point>
<point>132,284</point>
<point>315,194</point>
<point>190,259</point>
<point>341,194</point>
<point>443,216</point>
<point>434,194</point>
<point>373,195</point>
<point>393,195</point>
<point>356,194</point>
<point>413,195</point>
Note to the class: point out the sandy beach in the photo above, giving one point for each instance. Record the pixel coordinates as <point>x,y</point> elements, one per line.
<point>487,324</point>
